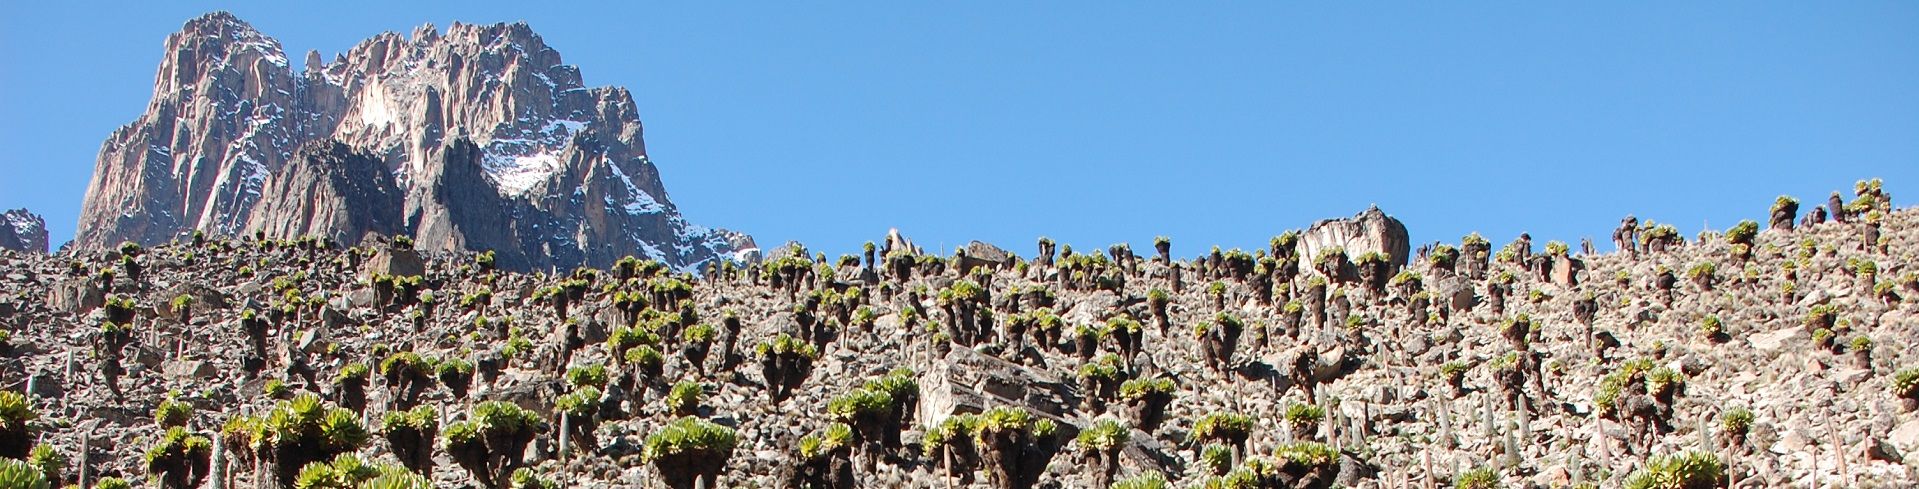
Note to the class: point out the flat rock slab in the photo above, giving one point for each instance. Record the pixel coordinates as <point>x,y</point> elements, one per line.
<point>1775,340</point>
<point>972,382</point>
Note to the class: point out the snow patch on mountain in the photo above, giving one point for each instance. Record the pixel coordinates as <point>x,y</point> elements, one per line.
<point>374,111</point>
<point>516,174</point>
<point>23,223</point>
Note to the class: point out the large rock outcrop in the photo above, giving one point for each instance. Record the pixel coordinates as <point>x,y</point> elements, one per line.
<point>566,164</point>
<point>328,189</point>
<point>23,231</point>
<point>1369,231</point>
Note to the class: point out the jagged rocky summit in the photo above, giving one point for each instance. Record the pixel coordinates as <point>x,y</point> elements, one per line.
<point>476,138</point>
<point>23,231</point>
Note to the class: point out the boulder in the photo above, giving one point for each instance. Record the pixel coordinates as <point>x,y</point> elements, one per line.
<point>397,262</point>
<point>1454,292</point>
<point>897,241</point>
<point>76,296</point>
<point>206,300</point>
<point>1773,341</point>
<point>967,381</point>
<point>788,250</point>
<point>309,341</point>
<point>1144,452</point>
<point>47,384</point>
<point>1565,271</point>
<point>190,369</point>
<point>1906,436</point>
<point>1369,231</point>
<point>1882,450</point>
<point>1330,361</point>
<point>981,254</point>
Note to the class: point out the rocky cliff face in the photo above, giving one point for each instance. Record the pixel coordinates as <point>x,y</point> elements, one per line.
<point>475,118</point>
<point>328,189</point>
<point>23,231</point>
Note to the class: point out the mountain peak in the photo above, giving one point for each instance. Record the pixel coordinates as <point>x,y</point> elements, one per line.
<point>215,151</point>
<point>215,19</point>
<point>23,231</point>
<point>224,25</point>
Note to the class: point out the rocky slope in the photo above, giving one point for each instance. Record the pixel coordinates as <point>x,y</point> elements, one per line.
<point>1767,358</point>
<point>564,164</point>
<point>23,231</point>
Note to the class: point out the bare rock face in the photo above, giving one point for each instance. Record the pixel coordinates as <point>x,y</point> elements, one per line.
<point>23,231</point>
<point>327,189</point>
<point>1370,231</point>
<point>551,173</point>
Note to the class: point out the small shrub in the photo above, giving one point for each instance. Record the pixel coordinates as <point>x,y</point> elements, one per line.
<point>1479,478</point>
<point>834,437</point>
<point>527,478</point>
<point>50,462</point>
<point>1861,343</point>
<point>584,376</point>
<point>1663,381</point>
<point>1711,327</point>
<point>785,344</point>
<point>1822,337</point>
<point>1905,383</point>
<point>1138,388</point>
<point>1743,232</point>
<point>21,475</point>
<point>172,413</point>
<point>276,389</point>
<point>1223,426</point>
<point>345,471</point>
<point>1736,420</point>
<point>1311,454</point>
<point>961,426</point>
<point>685,397</point>
<point>689,448</point>
<point>1106,367</point>
<point>1104,434</point>
<point>15,413</point>
<point>1217,459</point>
<point>1703,269</point>
<point>1152,479</point>
<point>1013,419</point>
<point>583,402</point>
<point>1689,470</point>
<point>1304,417</point>
<point>1557,248</point>
<point>1821,316</point>
<point>351,372</point>
<point>179,459</point>
<point>644,357</point>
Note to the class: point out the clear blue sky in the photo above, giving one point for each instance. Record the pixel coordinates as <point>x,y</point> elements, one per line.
<point>1100,122</point>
